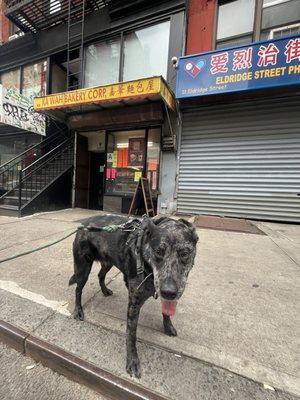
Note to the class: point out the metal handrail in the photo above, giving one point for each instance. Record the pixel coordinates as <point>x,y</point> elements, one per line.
<point>44,142</point>
<point>48,161</point>
<point>45,155</point>
<point>9,172</point>
<point>29,173</point>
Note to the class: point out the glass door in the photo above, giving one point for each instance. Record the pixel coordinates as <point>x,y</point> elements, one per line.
<point>131,155</point>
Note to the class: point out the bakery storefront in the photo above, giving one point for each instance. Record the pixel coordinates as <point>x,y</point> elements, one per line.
<point>119,132</point>
<point>240,142</point>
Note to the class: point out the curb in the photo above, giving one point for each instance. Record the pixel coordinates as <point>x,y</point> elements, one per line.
<point>73,367</point>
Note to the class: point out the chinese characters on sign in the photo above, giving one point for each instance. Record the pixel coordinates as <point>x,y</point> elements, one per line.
<point>154,87</point>
<point>102,93</point>
<point>262,65</point>
<point>16,110</point>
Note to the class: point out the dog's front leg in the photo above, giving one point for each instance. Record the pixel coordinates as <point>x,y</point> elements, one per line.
<point>132,362</point>
<point>136,300</point>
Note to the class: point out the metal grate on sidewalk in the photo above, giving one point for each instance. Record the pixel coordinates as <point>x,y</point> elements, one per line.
<point>227,224</point>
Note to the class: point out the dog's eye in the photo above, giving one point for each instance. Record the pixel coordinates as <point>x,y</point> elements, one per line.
<point>184,254</point>
<point>160,252</point>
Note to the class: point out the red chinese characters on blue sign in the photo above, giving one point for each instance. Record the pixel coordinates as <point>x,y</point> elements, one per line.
<point>261,65</point>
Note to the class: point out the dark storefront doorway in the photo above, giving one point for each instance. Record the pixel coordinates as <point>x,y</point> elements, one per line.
<point>89,170</point>
<point>96,184</point>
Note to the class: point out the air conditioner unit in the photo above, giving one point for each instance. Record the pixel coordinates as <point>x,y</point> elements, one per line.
<point>169,143</point>
<point>284,31</point>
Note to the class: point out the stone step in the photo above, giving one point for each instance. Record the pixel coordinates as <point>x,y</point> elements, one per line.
<point>8,210</point>
<point>14,200</point>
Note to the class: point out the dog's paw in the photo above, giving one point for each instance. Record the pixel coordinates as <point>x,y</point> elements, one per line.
<point>170,331</point>
<point>133,367</point>
<point>79,314</point>
<point>107,292</point>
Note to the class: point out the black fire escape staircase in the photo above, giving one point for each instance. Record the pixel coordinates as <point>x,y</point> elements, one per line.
<point>26,177</point>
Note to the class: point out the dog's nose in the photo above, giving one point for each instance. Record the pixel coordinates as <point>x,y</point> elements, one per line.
<point>169,289</point>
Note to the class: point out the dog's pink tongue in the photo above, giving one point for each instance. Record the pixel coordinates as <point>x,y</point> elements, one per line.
<point>168,307</point>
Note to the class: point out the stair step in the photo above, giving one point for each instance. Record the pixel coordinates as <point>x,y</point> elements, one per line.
<point>26,192</point>
<point>8,207</point>
<point>14,200</point>
<point>42,178</point>
<point>9,211</point>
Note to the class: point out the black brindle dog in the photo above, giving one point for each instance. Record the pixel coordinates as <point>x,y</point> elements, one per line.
<point>155,259</point>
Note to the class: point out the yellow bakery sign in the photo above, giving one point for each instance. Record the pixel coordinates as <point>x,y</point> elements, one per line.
<point>142,88</point>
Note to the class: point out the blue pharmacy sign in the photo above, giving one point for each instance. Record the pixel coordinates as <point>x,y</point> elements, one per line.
<point>262,65</point>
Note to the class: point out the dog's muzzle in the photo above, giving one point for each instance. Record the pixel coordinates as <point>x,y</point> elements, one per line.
<point>168,293</point>
<point>169,289</point>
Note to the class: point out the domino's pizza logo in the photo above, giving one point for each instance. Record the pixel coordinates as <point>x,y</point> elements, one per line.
<point>194,69</point>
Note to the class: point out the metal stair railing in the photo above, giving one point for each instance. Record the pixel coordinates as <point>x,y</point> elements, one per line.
<point>35,178</point>
<point>9,171</point>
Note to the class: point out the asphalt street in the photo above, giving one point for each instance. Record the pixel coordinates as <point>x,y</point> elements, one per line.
<point>21,378</point>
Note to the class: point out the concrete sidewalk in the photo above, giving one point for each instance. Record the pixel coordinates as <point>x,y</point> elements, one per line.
<point>240,310</point>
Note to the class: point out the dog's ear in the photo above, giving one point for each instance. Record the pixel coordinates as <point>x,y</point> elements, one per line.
<point>150,227</point>
<point>151,232</point>
<point>191,229</point>
<point>157,221</point>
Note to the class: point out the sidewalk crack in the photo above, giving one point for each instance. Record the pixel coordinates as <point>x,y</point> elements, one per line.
<point>285,252</point>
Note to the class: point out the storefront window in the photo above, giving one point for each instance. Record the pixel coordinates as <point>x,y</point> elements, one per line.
<point>11,80</point>
<point>34,80</point>
<point>146,52</point>
<point>129,157</point>
<point>102,63</point>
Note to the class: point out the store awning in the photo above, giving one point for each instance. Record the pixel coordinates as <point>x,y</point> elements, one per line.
<point>141,91</point>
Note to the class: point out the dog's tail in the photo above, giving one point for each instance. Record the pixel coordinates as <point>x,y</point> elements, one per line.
<point>72,280</point>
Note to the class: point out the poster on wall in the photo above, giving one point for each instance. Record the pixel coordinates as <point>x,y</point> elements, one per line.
<point>136,152</point>
<point>17,110</point>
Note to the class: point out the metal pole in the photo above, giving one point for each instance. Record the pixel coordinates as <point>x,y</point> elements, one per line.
<point>20,190</point>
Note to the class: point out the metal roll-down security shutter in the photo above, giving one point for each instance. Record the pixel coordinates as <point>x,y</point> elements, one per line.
<point>242,160</point>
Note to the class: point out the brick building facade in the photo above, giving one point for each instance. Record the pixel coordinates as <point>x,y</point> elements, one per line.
<point>4,24</point>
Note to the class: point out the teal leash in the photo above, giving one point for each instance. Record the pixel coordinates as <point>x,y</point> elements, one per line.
<point>108,228</point>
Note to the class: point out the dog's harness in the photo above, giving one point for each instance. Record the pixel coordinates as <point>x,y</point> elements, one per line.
<point>134,242</point>
<point>138,227</point>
